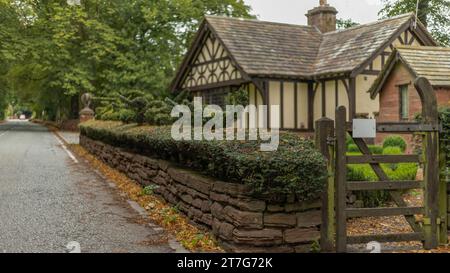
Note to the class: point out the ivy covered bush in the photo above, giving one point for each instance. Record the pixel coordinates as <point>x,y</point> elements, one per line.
<point>295,168</point>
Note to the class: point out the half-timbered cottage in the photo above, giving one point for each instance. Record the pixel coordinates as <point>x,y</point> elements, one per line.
<point>307,70</point>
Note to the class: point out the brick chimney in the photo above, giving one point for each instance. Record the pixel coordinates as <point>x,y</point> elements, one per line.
<point>323,17</point>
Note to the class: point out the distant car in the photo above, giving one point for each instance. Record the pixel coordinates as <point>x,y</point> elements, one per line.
<point>23,117</point>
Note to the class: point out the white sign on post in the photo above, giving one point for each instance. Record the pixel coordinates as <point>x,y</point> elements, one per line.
<point>364,128</point>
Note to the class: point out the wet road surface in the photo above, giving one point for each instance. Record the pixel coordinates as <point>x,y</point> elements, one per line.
<point>47,200</point>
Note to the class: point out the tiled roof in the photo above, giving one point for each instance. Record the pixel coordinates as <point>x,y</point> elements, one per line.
<point>344,50</point>
<point>275,49</point>
<point>432,63</point>
<point>263,48</point>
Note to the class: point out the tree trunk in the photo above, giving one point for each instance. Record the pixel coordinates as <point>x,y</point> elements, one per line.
<point>75,107</point>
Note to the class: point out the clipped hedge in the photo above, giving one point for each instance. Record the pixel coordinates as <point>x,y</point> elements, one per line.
<point>296,167</point>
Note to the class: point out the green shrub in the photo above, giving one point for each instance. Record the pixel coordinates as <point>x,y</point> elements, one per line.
<point>296,167</point>
<point>395,141</point>
<point>395,172</point>
<point>353,148</point>
<point>392,151</point>
<point>349,141</point>
<point>374,149</point>
<point>127,116</point>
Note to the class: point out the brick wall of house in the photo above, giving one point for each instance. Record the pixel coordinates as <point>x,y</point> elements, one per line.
<point>443,96</point>
<point>390,99</point>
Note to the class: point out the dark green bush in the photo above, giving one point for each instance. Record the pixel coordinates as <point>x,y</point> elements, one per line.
<point>296,167</point>
<point>395,141</point>
<point>444,114</point>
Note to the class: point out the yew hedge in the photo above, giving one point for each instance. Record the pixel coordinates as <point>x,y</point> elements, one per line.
<point>295,168</point>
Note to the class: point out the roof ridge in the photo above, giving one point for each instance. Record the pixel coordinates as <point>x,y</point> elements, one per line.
<point>431,48</point>
<point>257,21</point>
<point>371,23</point>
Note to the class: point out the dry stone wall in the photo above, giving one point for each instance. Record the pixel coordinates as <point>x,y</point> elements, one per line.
<point>240,222</point>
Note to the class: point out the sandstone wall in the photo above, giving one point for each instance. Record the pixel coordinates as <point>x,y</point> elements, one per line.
<point>240,222</point>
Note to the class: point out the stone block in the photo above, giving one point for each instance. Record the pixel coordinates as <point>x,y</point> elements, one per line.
<point>258,237</point>
<point>226,231</point>
<point>206,205</point>
<point>217,210</point>
<point>275,208</point>
<point>301,235</point>
<point>207,219</point>
<point>311,218</point>
<point>248,204</point>
<point>194,181</point>
<point>281,220</point>
<point>243,219</point>
<point>195,213</point>
<point>233,189</point>
<point>187,198</point>
<point>306,248</point>
<point>302,206</point>
<point>159,180</point>
<point>239,248</point>
<point>197,203</point>
<point>223,198</point>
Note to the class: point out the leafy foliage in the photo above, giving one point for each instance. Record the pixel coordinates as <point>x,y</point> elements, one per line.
<point>297,167</point>
<point>377,150</point>
<point>345,23</point>
<point>395,141</point>
<point>434,14</point>
<point>56,52</point>
<point>395,172</point>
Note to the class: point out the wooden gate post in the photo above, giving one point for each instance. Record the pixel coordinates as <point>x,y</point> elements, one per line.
<point>432,221</point>
<point>443,196</point>
<point>341,179</point>
<point>325,132</point>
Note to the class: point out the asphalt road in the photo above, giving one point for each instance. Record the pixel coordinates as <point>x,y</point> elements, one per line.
<point>47,200</point>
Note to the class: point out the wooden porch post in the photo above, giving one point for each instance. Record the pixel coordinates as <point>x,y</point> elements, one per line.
<point>352,98</point>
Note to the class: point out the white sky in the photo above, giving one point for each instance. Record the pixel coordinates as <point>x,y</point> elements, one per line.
<point>293,11</point>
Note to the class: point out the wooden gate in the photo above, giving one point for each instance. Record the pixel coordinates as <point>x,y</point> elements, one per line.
<point>331,140</point>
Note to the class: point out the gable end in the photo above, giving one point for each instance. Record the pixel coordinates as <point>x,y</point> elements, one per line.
<point>207,65</point>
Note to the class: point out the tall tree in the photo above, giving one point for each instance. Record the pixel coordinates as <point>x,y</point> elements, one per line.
<point>345,23</point>
<point>434,14</point>
<point>104,46</point>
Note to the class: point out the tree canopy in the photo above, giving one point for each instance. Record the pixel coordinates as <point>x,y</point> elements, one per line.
<point>54,51</point>
<point>434,14</point>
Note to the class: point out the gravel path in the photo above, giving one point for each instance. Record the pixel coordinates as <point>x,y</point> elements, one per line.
<point>47,200</point>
